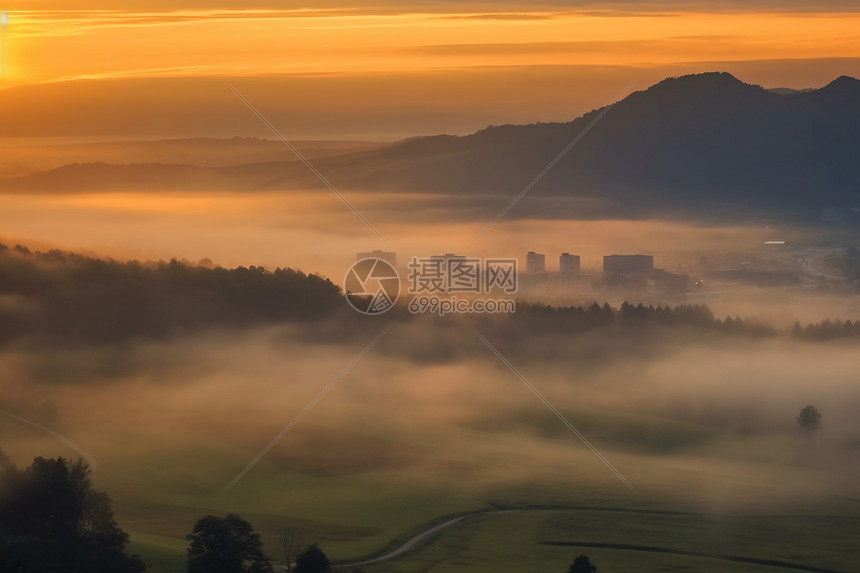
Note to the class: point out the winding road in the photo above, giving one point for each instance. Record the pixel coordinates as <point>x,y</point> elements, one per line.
<point>435,530</point>
<point>426,534</point>
<point>806,260</point>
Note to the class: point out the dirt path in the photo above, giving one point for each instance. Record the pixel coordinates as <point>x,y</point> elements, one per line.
<point>412,542</point>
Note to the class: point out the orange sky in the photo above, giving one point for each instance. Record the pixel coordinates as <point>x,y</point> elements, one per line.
<point>507,40</point>
<point>48,46</point>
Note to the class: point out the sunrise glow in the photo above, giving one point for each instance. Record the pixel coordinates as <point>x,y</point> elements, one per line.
<point>48,46</point>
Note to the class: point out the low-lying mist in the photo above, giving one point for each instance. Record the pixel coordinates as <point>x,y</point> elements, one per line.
<point>313,231</point>
<point>174,376</point>
<point>705,420</point>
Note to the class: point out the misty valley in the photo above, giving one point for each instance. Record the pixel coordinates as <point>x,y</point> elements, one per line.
<point>171,375</point>
<point>624,342</point>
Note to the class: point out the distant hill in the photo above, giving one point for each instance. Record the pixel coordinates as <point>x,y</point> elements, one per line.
<point>690,144</point>
<point>705,144</point>
<point>31,156</point>
<point>789,91</point>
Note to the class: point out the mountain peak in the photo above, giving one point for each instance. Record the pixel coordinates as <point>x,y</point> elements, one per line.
<point>706,80</point>
<point>843,82</point>
<point>843,88</point>
<point>706,85</point>
<point>694,92</point>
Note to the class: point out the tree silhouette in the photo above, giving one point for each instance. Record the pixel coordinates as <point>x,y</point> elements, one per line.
<point>225,545</point>
<point>582,564</point>
<point>79,299</point>
<point>313,560</point>
<point>51,519</point>
<point>809,418</point>
<point>292,545</point>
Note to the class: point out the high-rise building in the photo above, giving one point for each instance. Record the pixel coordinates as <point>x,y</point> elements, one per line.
<point>628,264</point>
<point>535,263</point>
<point>388,256</point>
<point>568,264</point>
<point>448,257</point>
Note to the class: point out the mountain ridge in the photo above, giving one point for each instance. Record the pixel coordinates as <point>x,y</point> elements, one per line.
<point>688,143</point>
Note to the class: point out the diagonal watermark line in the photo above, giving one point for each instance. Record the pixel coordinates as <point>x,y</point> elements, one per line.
<point>553,409</point>
<point>308,164</point>
<point>90,460</point>
<point>305,410</point>
<point>551,164</point>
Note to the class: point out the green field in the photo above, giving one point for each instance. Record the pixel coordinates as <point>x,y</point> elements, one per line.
<point>733,510</point>
<point>513,542</point>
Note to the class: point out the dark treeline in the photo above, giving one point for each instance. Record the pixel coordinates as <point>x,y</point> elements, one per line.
<point>827,329</point>
<point>76,299</point>
<point>579,318</point>
<point>60,297</point>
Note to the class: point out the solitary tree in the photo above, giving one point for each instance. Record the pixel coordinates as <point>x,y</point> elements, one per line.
<point>582,564</point>
<point>809,418</point>
<point>225,545</point>
<point>292,545</point>
<point>313,560</point>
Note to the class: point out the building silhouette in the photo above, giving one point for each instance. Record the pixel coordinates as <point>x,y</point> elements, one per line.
<point>388,256</point>
<point>627,264</point>
<point>448,257</point>
<point>568,264</point>
<point>535,263</point>
<point>567,281</point>
<point>636,273</point>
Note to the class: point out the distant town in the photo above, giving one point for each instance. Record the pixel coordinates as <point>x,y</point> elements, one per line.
<point>636,274</point>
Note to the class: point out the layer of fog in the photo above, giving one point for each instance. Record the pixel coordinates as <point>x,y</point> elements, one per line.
<point>708,423</point>
<point>21,156</point>
<point>315,232</point>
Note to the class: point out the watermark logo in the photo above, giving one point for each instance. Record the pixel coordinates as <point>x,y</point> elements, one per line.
<point>372,286</point>
<point>443,305</point>
<point>451,274</point>
<point>448,284</point>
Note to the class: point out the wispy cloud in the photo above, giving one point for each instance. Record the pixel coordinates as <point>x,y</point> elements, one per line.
<point>53,44</point>
<point>71,22</point>
<point>595,46</point>
<point>503,16</point>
